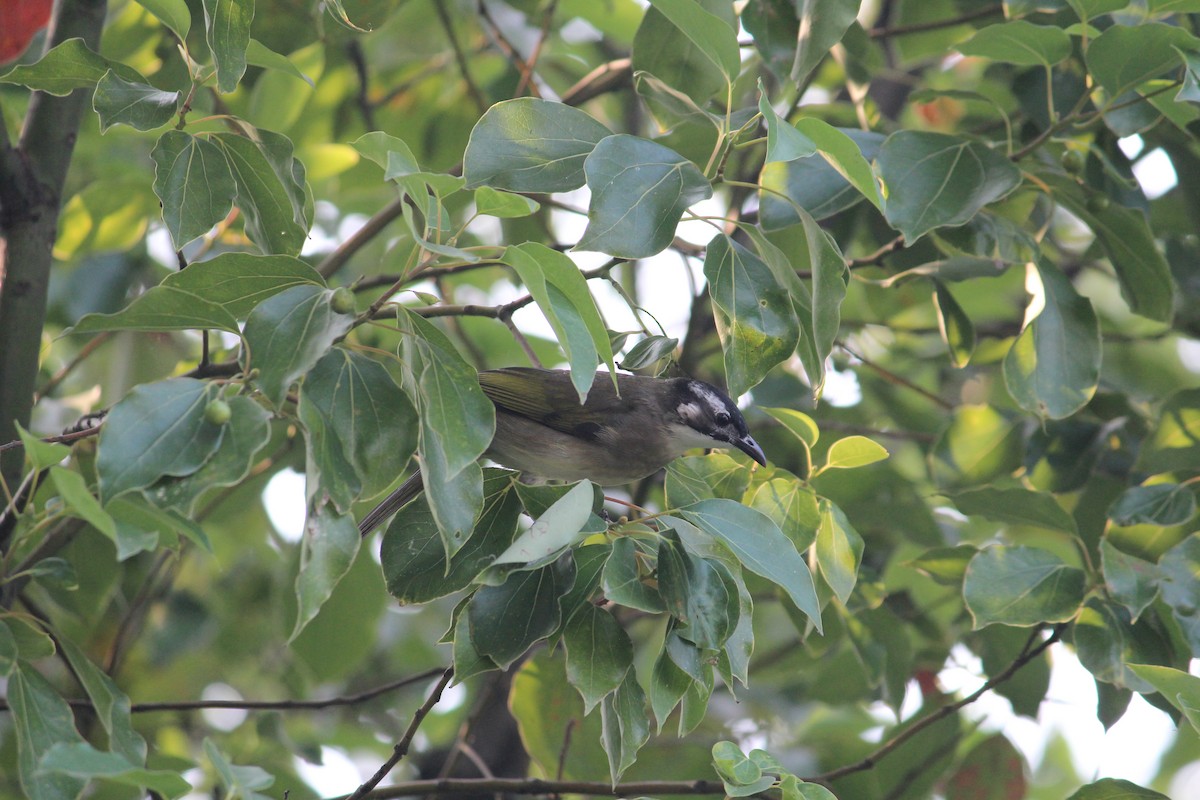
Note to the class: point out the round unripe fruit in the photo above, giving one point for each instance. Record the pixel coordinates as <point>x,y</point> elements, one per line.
<point>218,412</point>
<point>1072,161</point>
<point>342,301</point>
<point>1098,203</point>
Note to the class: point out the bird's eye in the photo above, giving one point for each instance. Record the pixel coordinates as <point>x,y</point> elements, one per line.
<point>722,418</point>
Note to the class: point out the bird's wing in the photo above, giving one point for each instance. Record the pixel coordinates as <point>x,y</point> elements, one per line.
<point>548,397</point>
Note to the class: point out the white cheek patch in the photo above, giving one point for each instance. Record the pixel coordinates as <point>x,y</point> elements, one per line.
<point>689,412</point>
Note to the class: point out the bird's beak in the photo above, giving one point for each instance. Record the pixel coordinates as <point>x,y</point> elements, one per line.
<point>750,447</point>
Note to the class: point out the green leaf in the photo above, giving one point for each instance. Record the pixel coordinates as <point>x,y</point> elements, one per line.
<point>1132,582</point>
<point>259,55</point>
<point>351,406</point>
<point>823,23</point>
<point>622,579</point>
<point>414,558</point>
<point>733,766</point>
<point>1021,586</point>
<point>599,654</point>
<point>506,620</point>
<point>531,145</point>
<point>110,704</point>
<point>956,328</point>
<point>822,186</point>
<point>330,544</point>
<point>1160,504</point>
<point>756,321</point>
<point>162,308</point>
<point>68,66</point>
<point>138,521</point>
<point>934,179</point>
<point>1125,234</point>
<point>556,529</point>
<point>240,281</point>
<point>839,550</point>
<point>761,547</point>
<point>854,451</point>
<point>696,478</point>
<point>194,184</point>
<point>1053,367</point>
<point>797,423</point>
<point>648,352</point>
<point>1180,587</point>
<point>81,760</point>
<point>1016,506</point>
<point>208,294</point>
<point>1106,642</point>
<point>41,719</point>
<point>1116,788</point>
<point>1123,57</point>
<point>239,781</point>
<point>562,294</point>
<point>793,788</point>
<point>977,446</point>
<point>640,190</point>
<point>665,51</point>
<point>41,454</point>
<point>695,594</point>
<point>708,33</point>
<point>175,14</point>
<point>246,434</point>
<point>288,333</point>
<point>268,203</point>
<point>806,247</point>
<point>227,30</point>
<point>946,565</point>
<point>1090,9</point>
<point>118,101</point>
<point>1019,42</point>
<point>457,424</point>
<point>1175,442</point>
<point>625,727</point>
<point>503,204</point>
<point>1190,91</point>
<point>157,429</point>
<point>79,500</point>
<point>991,770</point>
<point>792,507</point>
<point>1178,687</point>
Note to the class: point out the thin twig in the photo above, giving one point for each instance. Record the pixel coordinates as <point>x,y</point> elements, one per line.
<point>268,705</point>
<point>899,380</point>
<point>527,73</point>
<point>448,26</point>
<point>359,60</point>
<point>58,377</point>
<point>401,748</point>
<point>934,25</point>
<point>539,786</point>
<point>1028,653</point>
<point>510,51</point>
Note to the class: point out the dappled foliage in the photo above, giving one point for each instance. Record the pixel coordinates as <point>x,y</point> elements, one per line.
<point>946,250</point>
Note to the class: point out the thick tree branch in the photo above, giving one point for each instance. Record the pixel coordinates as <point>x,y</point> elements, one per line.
<point>31,185</point>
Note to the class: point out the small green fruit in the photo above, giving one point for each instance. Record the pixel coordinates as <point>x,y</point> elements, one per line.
<point>218,412</point>
<point>1098,203</point>
<point>342,301</point>
<point>1072,161</point>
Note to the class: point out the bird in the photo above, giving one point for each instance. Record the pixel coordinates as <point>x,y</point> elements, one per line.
<point>617,436</point>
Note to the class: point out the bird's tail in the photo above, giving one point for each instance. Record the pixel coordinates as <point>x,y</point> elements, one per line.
<point>399,498</point>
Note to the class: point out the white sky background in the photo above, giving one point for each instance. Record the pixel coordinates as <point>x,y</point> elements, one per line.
<point>1130,750</point>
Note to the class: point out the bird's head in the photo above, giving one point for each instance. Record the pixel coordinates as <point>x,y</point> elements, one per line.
<point>704,416</point>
